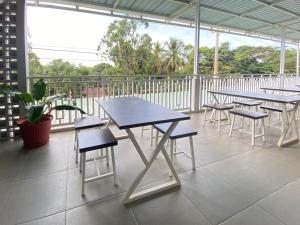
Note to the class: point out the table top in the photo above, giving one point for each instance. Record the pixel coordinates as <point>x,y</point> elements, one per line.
<point>129,112</point>
<point>260,96</point>
<point>281,89</point>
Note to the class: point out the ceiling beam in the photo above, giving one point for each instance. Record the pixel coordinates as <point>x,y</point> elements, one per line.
<point>279,8</point>
<point>180,12</point>
<point>115,3</point>
<point>244,16</point>
<point>149,16</point>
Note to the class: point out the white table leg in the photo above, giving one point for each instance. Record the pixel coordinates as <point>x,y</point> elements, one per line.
<point>289,123</point>
<point>131,195</point>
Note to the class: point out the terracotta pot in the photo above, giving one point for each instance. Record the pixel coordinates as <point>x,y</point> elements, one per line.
<point>35,135</point>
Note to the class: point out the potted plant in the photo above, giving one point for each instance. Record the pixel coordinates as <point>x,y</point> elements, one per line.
<point>35,126</point>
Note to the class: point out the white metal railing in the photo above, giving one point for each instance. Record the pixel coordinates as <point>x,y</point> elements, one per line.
<point>173,92</point>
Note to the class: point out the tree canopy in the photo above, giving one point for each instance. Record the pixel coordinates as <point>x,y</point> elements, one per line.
<point>135,54</point>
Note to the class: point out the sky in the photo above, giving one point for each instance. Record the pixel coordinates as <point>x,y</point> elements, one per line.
<point>80,33</point>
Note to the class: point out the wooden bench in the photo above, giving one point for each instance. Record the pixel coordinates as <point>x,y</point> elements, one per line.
<point>83,124</point>
<point>180,131</point>
<point>249,103</point>
<point>217,108</point>
<point>253,116</point>
<point>272,108</point>
<point>92,140</point>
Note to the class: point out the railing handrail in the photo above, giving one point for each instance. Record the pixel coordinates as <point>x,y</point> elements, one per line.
<point>219,76</point>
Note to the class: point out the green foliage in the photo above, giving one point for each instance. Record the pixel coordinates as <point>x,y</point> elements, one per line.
<point>39,90</point>
<point>135,54</point>
<point>35,67</point>
<point>37,104</point>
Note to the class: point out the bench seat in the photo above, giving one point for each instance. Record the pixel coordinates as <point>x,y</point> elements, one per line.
<point>219,106</point>
<point>96,139</point>
<point>180,131</point>
<point>247,103</point>
<point>88,122</point>
<point>274,108</point>
<point>248,113</point>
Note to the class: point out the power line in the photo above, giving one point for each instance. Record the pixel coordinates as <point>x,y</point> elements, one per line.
<point>96,60</point>
<point>62,50</point>
<point>60,47</point>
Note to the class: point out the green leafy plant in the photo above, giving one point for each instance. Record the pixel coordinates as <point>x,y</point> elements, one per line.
<point>37,104</point>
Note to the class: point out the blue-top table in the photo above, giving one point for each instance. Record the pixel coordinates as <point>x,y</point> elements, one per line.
<point>295,90</point>
<point>130,112</point>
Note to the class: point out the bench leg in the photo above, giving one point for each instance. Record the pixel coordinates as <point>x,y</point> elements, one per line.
<point>142,133</point>
<point>249,108</point>
<point>151,143</point>
<point>114,165</point>
<point>253,133</point>
<point>156,138</point>
<point>263,129</point>
<point>205,114</point>
<point>242,124</point>
<point>219,121</point>
<point>83,158</point>
<point>175,146</point>
<point>107,156</point>
<point>76,146</point>
<point>80,164</point>
<point>171,155</point>
<point>231,126</point>
<point>192,152</point>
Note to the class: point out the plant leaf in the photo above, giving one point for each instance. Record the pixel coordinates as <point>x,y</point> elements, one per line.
<point>35,112</point>
<point>39,90</point>
<point>67,107</point>
<point>4,88</point>
<point>24,97</point>
<point>52,98</point>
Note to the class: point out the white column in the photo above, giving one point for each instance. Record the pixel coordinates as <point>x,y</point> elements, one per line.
<point>196,84</point>
<point>21,43</point>
<point>298,58</point>
<point>216,58</point>
<point>282,58</point>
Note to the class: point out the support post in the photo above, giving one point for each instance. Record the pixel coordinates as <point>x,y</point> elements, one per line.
<point>196,83</point>
<point>282,58</point>
<point>298,59</point>
<point>216,58</point>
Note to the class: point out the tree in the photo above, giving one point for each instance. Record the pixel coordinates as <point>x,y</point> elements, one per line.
<point>102,69</point>
<point>157,65</point>
<point>59,67</point>
<point>126,48</point>
<point>35,67</point>
<point>174,55</point>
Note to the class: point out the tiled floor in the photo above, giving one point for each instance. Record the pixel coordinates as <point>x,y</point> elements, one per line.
<point>234,183</point>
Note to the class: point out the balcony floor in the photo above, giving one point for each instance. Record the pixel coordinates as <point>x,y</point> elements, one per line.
<point>234,183</point>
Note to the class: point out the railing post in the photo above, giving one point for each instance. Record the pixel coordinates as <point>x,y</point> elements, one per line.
<point>196,82</point>
<point>282,58</point>
<point>298,60</point>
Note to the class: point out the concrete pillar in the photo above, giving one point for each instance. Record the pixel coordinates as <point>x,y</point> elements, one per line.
<point>282,58</point>
<point>196,83</point>
<point>21,44</point>
<point>216,57</point>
